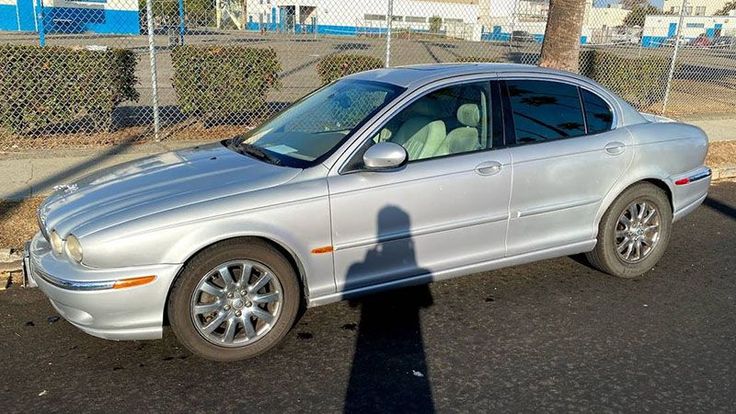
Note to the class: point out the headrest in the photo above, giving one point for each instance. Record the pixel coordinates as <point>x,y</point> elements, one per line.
<point>422,108</point>
<point>468,114</point>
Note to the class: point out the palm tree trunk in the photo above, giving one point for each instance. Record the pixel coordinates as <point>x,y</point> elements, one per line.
<point>562,36</point>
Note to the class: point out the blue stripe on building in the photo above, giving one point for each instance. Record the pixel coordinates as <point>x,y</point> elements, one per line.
<point>70,19</point>
<point>8,17</point>
<point>79,20</point>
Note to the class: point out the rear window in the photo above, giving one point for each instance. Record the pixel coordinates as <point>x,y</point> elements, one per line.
<point>544,110</point>
<point>598,114</point>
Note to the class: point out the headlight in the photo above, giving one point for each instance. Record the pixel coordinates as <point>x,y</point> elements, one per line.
<point>74,248</point>
<point>56,242</point>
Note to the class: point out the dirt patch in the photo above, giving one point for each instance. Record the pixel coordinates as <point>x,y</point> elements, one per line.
<point>18,222</point>
<point>721,153</point>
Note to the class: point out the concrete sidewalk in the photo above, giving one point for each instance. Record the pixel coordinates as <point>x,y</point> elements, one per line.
<point>30,174</point>
<point>35,173</point>
<point>718,129</point>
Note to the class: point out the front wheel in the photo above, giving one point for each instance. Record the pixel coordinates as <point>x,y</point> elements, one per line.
<point>634,232</point>
<point>234,300</point>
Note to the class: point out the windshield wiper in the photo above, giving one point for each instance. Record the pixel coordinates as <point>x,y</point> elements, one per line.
<point>253,151</point>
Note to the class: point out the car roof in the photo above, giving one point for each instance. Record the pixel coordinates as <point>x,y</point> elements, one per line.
<point>413,75</point>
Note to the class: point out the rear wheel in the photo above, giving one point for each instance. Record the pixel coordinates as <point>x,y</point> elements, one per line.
<point>634,232</point>
<point>234,300</point>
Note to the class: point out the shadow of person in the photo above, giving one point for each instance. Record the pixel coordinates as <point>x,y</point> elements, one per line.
<point>389,371</point>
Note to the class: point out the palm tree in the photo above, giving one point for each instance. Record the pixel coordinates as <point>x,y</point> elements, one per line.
<point>562,36</point>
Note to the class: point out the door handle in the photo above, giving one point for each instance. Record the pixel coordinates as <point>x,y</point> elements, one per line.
<point>489,168</point>
<point>615,148</point>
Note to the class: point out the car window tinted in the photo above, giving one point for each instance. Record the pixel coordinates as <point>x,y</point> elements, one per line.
<point>598,114</point>
<point>447,121</point>
<point>544,110</point>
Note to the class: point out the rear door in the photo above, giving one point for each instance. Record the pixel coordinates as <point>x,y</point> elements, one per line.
<point>566,156</point>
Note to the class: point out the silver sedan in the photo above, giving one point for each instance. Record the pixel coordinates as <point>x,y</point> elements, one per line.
<point>382,179</point>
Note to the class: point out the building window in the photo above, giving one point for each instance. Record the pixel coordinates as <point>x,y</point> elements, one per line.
<point>695,25</point>
<point>700,11</point>
<point>374,17</point>
<point>688,10</point>
<point>415,19</point>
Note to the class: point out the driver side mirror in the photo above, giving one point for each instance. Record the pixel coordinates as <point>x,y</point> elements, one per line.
<point>384,156</point>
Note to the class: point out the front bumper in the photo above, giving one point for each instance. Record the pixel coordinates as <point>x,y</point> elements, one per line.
<point>78,294</point>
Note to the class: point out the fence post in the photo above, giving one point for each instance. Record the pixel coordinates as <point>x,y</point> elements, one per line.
<point>673,62</point>
<point>152,53</point>
<point>40,24</point>
<point>389,21</point>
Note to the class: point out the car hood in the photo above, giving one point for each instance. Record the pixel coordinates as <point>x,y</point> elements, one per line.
<point>166,182</point>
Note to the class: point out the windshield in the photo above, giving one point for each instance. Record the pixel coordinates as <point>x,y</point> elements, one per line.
<point>311,129</point>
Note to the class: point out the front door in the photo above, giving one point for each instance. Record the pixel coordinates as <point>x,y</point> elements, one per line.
<point>26,16</point>
<point>447,208</point>
<point>566,158</point>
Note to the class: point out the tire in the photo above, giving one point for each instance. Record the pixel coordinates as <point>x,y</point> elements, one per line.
<point>613,235</point>
<point>279,297</point>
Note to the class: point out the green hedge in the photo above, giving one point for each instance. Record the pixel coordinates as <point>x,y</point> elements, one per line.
<point>336,66</point>
<point>50,87</point>
<point>641,80</point>
<point>215,82</point>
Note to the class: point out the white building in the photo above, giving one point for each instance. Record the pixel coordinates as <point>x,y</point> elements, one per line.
<point>658,29</point>
<point>458,17</point>
<point>505,17</point>
<point>695,7</point>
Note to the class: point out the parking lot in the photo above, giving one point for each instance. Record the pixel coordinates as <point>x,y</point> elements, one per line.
<point>550,336</point>
<point>704,80</point>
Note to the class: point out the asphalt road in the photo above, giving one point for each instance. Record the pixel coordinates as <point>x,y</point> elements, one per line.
<point>551,336</point>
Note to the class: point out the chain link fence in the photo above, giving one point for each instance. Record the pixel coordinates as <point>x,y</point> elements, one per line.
<point>99,72</point>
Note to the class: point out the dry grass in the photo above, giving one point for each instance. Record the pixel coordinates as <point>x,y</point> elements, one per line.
<point>18,221</point>
<point>721,153</point>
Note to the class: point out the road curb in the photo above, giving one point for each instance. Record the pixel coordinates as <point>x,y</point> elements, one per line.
<point>7,270</point>
<point>10,264</point>
<point>723,172</point>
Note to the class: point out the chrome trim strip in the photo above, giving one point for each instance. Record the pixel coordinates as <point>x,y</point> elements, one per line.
<point>557,207</point>
<point>701,175</point>
<point>69,284</point>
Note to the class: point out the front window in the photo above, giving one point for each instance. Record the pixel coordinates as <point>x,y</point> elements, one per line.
<point>311,129</point>
<point>448,121</point>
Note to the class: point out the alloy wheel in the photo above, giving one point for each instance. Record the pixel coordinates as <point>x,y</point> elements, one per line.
<point>236,303</point>
<point>637,231</point>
